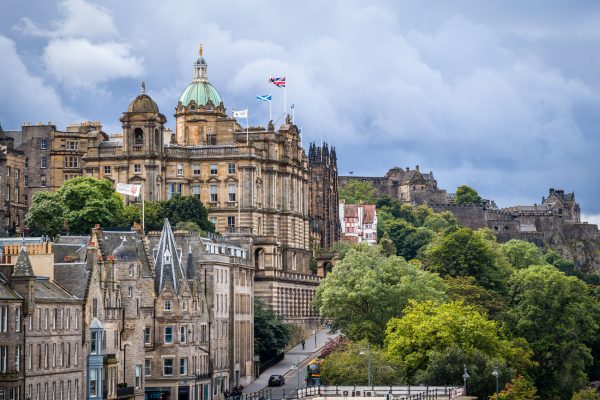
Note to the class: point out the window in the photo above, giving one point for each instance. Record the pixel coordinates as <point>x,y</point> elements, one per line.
<point>26,163</point>
<point>138,376</point>
<point>138,136</point>
<point>213,169</point>
<point>94,308</point>
<point>43,144</point>
<point>147,336</point>
<point>46,356</point>
<point>148,366</point>
<point>211,139</point>
<point>196,191</point>
<point>4,319</point>
<point>168,334</point>
<point>183,334</point>
<point>71,162</point>
<point>183,366</point>
<point>43,181</point>
<point>68,319</point>
<point>137,168</point>
<point>213,193</point>
<point>167,366</point>
<point>93,382</point>
<point>17,172</point>
<point>167,304</point>
<point>7,193</point>
<point>72,145</point>
<point>231,168</point>
<point>231,191</point>
<point>107,170</point>
<point>180,169</point>
<point>30,357</point>
<point>184,306</point>
<point>94,343</point>
<point>3,358</point>
<point>230,221</point>
<point>26,180</point>
<point>174,190</point>
<point>196,169</point>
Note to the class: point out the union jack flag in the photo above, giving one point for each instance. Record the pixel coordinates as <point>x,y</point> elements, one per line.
<point>279,82</point>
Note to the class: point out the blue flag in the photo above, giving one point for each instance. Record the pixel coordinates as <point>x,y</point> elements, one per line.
<point>266,97</point>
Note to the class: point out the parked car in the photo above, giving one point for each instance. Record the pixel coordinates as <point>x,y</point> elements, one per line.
<point>276,380</point>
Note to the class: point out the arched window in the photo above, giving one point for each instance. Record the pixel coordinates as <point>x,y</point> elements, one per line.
<point>156,138</point>
<point>138,135</point>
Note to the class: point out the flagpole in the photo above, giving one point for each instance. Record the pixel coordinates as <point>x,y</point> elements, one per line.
<point>293,113</point>
<point>247,140</point>
<point>143,212</point>
<point>285,100</point>
<point>270,116</point>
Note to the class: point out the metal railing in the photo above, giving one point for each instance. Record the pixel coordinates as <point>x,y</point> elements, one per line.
<point>389,392</point>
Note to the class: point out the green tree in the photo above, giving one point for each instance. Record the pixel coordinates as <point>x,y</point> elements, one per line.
<point>555,314</point>
<point>434,339</point>
<point>187,208</point>
<point>366,289</point>
<point>348,365</point>
<point>586,394</point>
<point>464,288</point>
<point>357,191</point>
<point>189,226</point>
<point>154,217</point>
<point>521,254</point>
<point>466,253</point>
<point>519,388</point>
<point>441,222</point>
<point>271,333</point>
<point>466,195</point>
<point>81,203</point>
<point>46,216</point>
<point>387,246</point>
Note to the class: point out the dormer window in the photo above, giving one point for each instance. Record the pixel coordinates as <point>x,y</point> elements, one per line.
<point>167,305</point>
<point>167,257</point>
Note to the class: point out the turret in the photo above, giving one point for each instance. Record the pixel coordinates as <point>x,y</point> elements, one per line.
<point>23,281</point>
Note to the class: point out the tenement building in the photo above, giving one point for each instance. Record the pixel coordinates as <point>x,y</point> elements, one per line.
<point>254,182</point>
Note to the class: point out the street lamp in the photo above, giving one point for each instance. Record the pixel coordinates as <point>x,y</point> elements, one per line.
<point>296,366</point>
<point>465,377</point>
<point>496,374</point>
<point>362,353</point>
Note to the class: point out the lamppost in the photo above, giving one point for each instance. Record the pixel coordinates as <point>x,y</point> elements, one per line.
<point>465,377</point>
<point>496,374</point>
<point>296,366</point>
<point>362,353</point>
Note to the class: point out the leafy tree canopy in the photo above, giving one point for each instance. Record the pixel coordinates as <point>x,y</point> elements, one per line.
<point>519,388</point>
<point>464,288</point>
<point>555,314</point>
<point>466,195</point>
<point>366,289</point>
<point>464,252</point>
<point>521,254</point>
<point>348,365</point>
<point>435,339</point>
<point>46,216</point>
<point>357,191</point>
<point>586,394</point>
<point>80,203</point>
<point>271,333</point>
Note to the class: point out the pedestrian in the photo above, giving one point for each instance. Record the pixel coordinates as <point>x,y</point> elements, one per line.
<point>303,344</point>
<point>226,393</point>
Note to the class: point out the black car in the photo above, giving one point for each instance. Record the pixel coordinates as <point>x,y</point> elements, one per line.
<point>276,380</point>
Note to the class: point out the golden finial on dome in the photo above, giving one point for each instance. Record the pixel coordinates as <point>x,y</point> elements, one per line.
<point>200,50</point>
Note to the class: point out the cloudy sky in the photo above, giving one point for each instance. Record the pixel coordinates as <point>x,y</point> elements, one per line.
<point>500,95</point>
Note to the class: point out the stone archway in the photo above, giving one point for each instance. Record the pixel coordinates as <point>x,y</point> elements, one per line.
<point>259,258</point>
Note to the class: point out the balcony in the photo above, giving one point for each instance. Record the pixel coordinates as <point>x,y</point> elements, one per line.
<point>125,392</point>
<point>198,152</point>
<point>138,148</point>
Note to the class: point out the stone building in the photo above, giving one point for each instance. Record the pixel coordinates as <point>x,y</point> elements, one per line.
<point>408,186</point>
<point>254,182</point>
<point>48,326</point>
<point>12,167</point>
<point>324,198</point>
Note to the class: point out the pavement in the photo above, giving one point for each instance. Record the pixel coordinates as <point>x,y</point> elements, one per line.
<point>296,355</point>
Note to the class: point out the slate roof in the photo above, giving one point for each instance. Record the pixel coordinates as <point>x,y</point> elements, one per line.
<point>73,277</point>
<point>125,246</point>
<point>46,290</point>
<point>75,252</point>
<point>168,263</point>
<point>6,292</point>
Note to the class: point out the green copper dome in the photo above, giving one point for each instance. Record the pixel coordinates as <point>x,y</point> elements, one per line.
<point>201,93</point>
<point>200,90</point>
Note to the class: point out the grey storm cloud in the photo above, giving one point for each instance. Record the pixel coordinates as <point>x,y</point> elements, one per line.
<point>503,96</point>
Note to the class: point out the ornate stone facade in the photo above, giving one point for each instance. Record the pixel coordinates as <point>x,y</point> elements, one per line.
<point>254,182</point>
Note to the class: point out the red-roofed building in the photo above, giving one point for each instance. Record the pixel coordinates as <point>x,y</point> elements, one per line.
<point>358,223</point>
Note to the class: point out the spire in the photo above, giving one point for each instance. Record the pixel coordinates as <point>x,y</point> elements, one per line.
<point>168,265</point>
<point>23,266</point>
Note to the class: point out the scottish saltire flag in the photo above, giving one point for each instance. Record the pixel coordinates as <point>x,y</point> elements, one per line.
<point>279,82</point>
<point>266,97</point>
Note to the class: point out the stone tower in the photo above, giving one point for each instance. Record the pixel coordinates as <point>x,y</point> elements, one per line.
<point>324,197</point>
